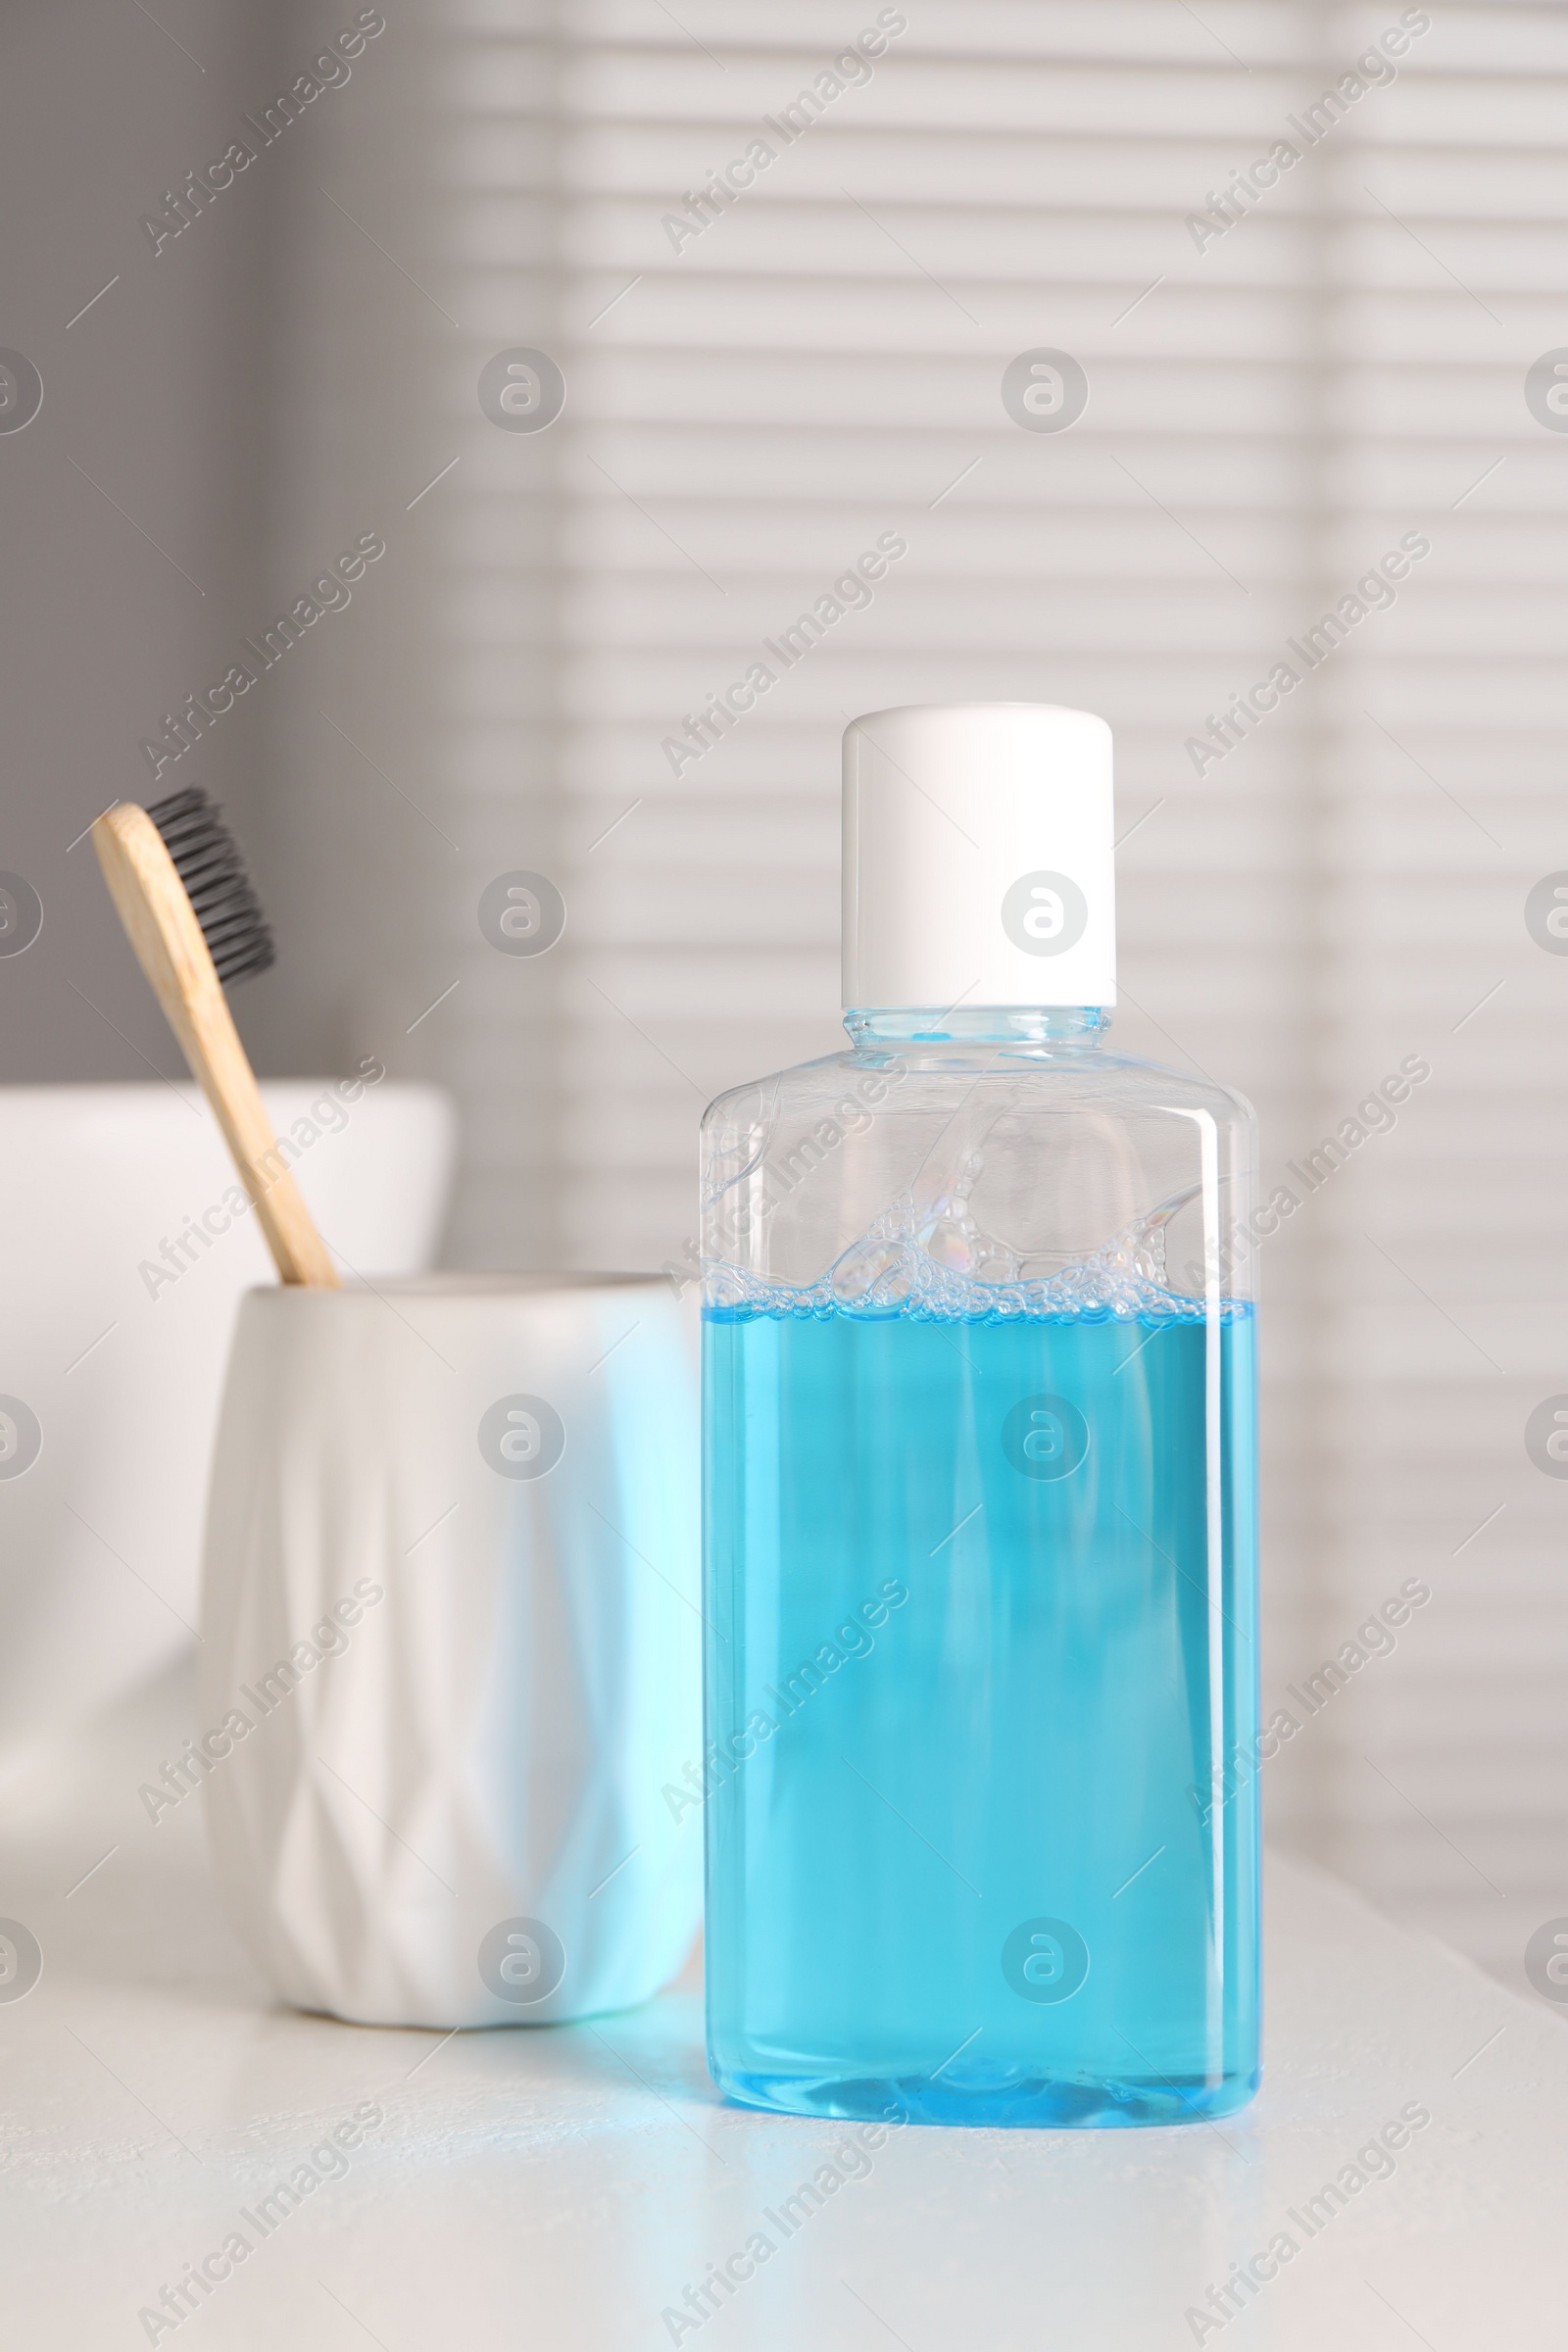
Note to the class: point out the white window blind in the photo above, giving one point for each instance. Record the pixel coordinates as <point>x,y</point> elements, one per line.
<point>1324,895</point>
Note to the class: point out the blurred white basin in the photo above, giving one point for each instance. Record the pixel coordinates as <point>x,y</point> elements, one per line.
<point>115,1348</point>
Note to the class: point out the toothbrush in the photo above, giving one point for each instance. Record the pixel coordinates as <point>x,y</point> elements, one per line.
<point>178,882</point>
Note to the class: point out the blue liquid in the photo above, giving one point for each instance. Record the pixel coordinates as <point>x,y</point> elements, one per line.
<point>981,1865</point>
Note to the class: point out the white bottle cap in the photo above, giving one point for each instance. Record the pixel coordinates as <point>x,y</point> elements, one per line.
<point>978,860</point>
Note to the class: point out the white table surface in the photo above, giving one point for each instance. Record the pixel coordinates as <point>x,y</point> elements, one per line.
<point>563,2186</point>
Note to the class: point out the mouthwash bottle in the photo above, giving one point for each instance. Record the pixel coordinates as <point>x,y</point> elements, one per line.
<point>980,1494</point>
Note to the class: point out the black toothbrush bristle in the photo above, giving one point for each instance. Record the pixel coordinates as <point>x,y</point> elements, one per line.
<point>207,861</point>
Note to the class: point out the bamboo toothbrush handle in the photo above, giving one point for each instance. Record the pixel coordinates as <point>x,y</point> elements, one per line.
<point>163,928</point>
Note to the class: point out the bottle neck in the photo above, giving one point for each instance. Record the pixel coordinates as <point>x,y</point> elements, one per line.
<point>1063,1026</point>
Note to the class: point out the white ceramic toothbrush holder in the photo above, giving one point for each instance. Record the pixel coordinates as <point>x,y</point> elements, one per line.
<point>450,1653</point>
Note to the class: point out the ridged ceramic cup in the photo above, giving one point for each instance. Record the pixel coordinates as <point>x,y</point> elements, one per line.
<point>451,1658</point>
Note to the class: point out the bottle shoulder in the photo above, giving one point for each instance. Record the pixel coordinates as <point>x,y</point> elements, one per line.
<point>941,1174</point>
<point>918,1078</point>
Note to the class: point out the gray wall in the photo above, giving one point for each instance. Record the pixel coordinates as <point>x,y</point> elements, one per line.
<point>130,507</point>
<point>250,400</point>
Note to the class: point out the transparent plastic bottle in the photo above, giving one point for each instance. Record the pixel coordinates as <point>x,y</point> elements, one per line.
<point>980,1498</point>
